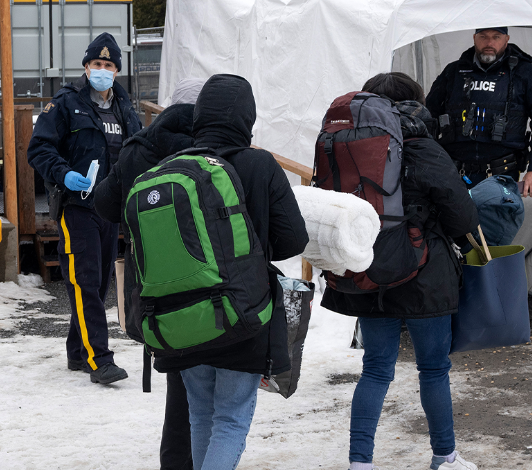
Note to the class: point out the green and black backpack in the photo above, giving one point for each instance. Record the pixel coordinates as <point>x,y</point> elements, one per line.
<point>202,275</point>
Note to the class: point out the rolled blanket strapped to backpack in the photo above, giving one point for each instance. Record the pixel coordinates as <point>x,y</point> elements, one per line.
<point>342,229</point>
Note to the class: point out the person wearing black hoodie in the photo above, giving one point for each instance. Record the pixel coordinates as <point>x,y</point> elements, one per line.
<point>223,119</point>
<point>424,303</point>
<point>222,383</point>
<point>171,132</point>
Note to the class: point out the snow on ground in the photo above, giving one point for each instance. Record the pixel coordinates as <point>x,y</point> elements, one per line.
<point>53,418</point>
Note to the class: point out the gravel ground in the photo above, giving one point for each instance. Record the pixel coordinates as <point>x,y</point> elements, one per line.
<point>56,323</point>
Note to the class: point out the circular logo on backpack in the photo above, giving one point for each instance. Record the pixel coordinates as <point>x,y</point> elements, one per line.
<point>153,197</point>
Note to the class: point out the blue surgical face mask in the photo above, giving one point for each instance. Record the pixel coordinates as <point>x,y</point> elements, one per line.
<point>101,79</point>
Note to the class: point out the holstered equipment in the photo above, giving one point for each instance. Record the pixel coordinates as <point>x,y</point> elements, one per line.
<point>497,166</point>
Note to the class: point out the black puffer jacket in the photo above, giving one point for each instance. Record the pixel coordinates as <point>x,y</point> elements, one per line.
<point>223,118</point>
<point>430,180</point>
<point>171,132</point>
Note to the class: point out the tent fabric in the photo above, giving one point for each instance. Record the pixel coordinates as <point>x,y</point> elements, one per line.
<point>299,55</point>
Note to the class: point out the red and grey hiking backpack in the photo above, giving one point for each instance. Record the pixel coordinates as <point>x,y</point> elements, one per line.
<point>359,151</point>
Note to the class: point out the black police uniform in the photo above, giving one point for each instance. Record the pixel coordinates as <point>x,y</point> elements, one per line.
<point>483,114</point>
<point>70,133</point>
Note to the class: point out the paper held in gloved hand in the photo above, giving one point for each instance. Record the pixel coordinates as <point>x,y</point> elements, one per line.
<point>91,175</point>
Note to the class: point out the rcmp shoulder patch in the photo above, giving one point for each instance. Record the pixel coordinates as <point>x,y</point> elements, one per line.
<point>48,107</point>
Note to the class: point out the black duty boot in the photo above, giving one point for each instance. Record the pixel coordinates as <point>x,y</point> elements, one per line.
<point>108,373</point>
<point>74,364</point>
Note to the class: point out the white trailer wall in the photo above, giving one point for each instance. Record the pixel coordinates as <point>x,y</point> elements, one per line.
<point>113,17</point>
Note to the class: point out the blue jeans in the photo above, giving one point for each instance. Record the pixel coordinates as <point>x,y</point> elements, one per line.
<point>221,406</point>
<point>432,342</point>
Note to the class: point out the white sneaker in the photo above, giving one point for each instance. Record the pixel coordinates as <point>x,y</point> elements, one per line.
<point>439,463</point>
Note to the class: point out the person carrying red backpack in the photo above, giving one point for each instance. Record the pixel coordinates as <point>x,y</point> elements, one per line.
<point>425,302</point>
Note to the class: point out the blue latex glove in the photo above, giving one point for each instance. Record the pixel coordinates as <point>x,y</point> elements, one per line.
<point>76,181</point>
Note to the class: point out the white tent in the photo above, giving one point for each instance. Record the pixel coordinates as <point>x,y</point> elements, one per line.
<point>300,54</point>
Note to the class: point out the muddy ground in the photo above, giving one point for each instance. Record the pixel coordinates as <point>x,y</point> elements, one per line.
<point>499,402</point>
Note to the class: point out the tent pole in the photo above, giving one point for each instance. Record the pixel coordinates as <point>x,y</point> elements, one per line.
<point>418,48</point>
<point>8,116</point>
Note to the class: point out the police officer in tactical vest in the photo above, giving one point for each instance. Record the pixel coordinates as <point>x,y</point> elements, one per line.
<point>81,128</point>
<point>482,103</point>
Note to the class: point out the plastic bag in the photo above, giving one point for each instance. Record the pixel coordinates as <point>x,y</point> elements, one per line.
<point>298,296</point>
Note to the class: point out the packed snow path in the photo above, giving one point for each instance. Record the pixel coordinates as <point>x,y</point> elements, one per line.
<point>53,418</point>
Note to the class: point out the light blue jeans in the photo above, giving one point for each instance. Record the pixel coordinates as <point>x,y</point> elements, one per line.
<point>432,341</point>
<point>221,406</point>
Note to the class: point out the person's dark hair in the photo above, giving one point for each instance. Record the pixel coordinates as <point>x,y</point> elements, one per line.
<point>395,85</point>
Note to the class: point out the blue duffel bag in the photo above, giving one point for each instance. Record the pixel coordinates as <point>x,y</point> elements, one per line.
<point>493,305</point>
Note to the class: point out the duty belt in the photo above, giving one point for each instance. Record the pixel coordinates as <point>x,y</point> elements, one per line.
<point>497,166</point>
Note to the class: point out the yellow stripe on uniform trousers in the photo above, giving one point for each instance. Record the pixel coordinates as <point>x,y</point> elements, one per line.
<point>79,300</point>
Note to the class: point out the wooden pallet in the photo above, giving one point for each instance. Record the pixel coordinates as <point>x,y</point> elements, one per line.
<point>45,261</point>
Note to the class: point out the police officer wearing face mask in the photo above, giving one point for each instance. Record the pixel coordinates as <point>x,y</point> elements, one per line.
<point>83,127</point>
<point>483,102</point>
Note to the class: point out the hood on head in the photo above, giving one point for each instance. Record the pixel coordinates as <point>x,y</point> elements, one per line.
<point>171,131</point>
<point>225,112</point>
<point>187,91</point>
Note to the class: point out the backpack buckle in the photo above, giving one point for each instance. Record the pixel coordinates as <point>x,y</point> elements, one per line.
<point>223,212</point>
<point>216,299</point>
<point>219,311</point>
<point>149,312</point>
<point>150,308</point>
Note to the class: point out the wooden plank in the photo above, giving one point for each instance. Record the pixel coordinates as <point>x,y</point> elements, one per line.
<point>25,174</point>
<point>150,108</point>
<point>8,118</point>
<point>33,99</point>
<point>44,223</point>
<point>302,170</point>
<point>47,236</point>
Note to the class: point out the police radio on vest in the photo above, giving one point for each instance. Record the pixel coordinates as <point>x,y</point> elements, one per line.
<point>482,86</point>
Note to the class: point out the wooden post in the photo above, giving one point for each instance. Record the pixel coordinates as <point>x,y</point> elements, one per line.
<point>8,116</point>
<point>25,175</point>
<point>306,268</point>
